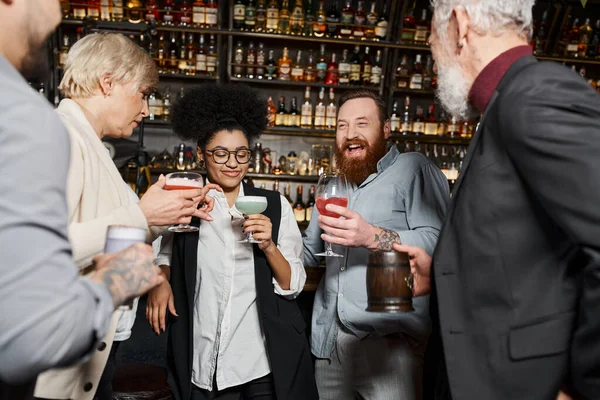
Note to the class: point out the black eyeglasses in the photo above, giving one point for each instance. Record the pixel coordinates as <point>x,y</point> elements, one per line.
<point>221,156</point>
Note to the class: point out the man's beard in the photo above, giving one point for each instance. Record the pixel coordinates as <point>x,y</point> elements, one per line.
<point>36,66</point>
<point>359,169</point>
<point>453,89</point>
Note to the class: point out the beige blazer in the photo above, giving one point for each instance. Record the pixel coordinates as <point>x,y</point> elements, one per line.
<point>97,197</point>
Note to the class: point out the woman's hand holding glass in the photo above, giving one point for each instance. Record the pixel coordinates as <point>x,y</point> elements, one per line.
<point>165,207</point>
<point>261,228</point>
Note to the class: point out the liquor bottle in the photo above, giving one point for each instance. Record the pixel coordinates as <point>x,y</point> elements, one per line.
<point>285,66</point>
<point>173,53</point>
<point>211,57</point>
<point>271,70</point>
<point>431,125</point>
<point>104,10</point>
<point>272,16</point>
<point>294,115</point>
<point>64,51</point>
<point>539,42</point>
<point>212,14</point>
<point>422,29</point>
<point>281,117</point>
<point>466,129</point>
<point>452,129</point>
<point>406,127</point>
<point>116,12</point>
<point>299,207</point>
<point>561,43</point>
<point>367,67</point>
<point>307,111</point>
<point>155,106</point>
<point>191,52</point>
<point>418,126</point>
<point>408,28</point>
<point>360,18</point>
<point>320,110</point>
<point>151,49</point>
<point>168,14</point>
<point>152,14</point>
<point>377,70</point>
<point>199,13</point>
<point>355,66</point>
<point>185,13</point>
<point>309,20</point>
<point>331,112</point>
<point>310,204</point>
<point>344,69</point>
<point>347,19</point>
<point>441,131</point>
<point>250,18</point>
<point>286,194</point>
<point>284,18</point>
<point>134,11</point>
<point>573,40</point>
<point>333,19</point>
<point>162,54</point>
<point>403,73</point>
<point>261,16</point>
<point>201,57</point>
<point>93,9</point>
<point>65,7</point>
<point>239,14</point>
<point>310,72</point>
<point>260,61</point>
<point>395,118</point>
<point>371,21</point>
<point>166,114</point>
<point>320,25</point>
<point>332,72</point>
<point>428,74</point>
<point>297,18</point>
<point>271,112</point>
<point>592,51</point>
<point>416,79</point>
<point>238,59</point>
<point>382,24</point>
<point>322,65</point>
<point>250,61</point>
<point>182,56</point>
<point>585,36</point>
<point>297,70</point>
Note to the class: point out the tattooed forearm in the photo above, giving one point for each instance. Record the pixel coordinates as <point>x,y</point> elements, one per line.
<point>385,238</point>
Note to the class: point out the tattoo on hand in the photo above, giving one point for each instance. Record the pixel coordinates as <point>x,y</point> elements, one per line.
<point>385,238</point>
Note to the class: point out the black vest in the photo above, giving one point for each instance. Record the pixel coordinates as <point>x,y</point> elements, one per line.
<point>283,325</point>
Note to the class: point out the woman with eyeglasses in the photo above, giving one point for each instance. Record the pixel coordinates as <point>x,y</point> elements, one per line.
<point>234,329</point>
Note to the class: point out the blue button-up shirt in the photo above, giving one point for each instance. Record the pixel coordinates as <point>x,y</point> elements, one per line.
<point>409,195</point>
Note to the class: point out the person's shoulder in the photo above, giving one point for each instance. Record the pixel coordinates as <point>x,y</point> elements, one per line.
<point>545,77</point>
<point>412,161</point>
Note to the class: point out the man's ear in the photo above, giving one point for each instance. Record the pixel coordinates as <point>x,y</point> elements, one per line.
<point>387,129</point>
<point>462,26</point>
<point>199,154</point>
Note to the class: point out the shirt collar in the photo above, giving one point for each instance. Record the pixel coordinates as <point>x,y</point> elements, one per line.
<point>386,161</point>
<point>488,79</point>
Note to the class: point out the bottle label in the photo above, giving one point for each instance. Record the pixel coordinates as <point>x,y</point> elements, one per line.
<point>299,213</point>
<point>284,70</point>
<point>185,19</point>
<point>79,13</point>
<point>309,212</point>
<point>406,127</point>
<point>250,16</point>
<point>355,72</point>
<point>272,18</point>
<point>93,12</point>
<point>298,72</point>
<point>345,31</point>
<point>168,19</point>
<point>416,82</point>
<point>280,119</point>
<point>239,12</point>
<point>421,35</point>
<point>376,75</point>
<point>366,75</point>
<point>321,70</point>
<point>306,119</point>
<point>395,124</point>
<point>572,48</point>
<point>211,16</point>
<point>211,63</point>
<point>199,15</point>
<point>381,29</point>
<point>347,18</point>
<point>431,128</point>
<point>418,127</point>
<point>201,62</point>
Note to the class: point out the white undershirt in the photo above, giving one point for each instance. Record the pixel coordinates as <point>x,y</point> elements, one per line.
<point>228,339</point>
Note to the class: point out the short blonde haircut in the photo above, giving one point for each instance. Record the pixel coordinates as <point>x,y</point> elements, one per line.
<point>99,54</point>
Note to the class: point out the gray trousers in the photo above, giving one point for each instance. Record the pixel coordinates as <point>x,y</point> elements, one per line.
<point>374,368</point>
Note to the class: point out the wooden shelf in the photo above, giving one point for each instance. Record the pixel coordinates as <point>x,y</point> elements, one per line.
<point>289,178</point>
<point>167,75</point>
<point>277,82</point>
<point>433,139</point>
<point>293,131</point>
<point>413,92</point>
<point>569,60</point>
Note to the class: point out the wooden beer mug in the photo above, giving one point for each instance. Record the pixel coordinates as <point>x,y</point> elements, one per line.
<point>389,282</point>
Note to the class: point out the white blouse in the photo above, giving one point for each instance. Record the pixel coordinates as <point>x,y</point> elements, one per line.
<point>228,340</point>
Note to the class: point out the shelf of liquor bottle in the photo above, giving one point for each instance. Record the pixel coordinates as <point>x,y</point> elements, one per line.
<point>413,92</point>
<point>168,75</point>
<point>571,60</point>
<point>434,139</point>
<point>254,176</point>
<point>278,82</point>
<point>295,131</point>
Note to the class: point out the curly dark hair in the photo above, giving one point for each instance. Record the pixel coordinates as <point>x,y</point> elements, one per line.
<point>205,110</point>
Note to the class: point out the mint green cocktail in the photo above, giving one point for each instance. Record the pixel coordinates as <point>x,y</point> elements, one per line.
<point>249,205</point>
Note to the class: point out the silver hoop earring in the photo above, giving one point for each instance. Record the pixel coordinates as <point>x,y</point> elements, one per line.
<point>459,45</point>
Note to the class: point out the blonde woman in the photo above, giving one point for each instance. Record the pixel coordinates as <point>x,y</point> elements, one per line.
<point>106,81</point>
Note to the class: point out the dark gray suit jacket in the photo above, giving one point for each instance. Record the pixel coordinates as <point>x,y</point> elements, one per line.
<point>517,266</point>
